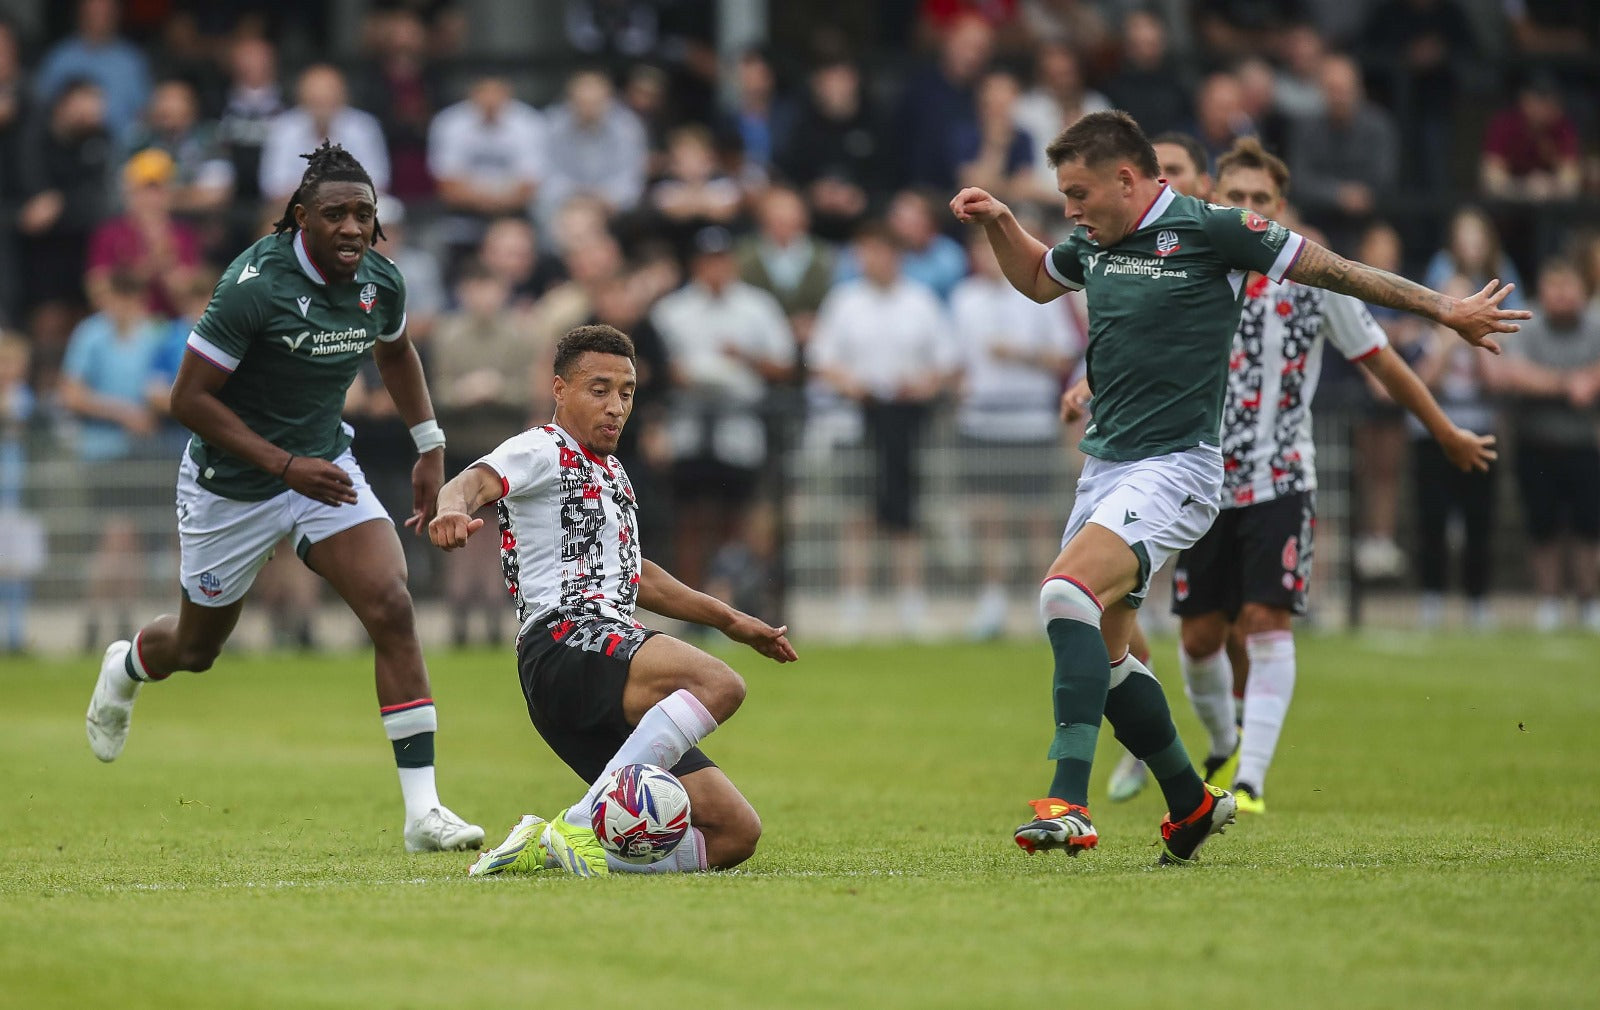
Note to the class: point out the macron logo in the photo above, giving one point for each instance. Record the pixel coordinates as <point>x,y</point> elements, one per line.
<point>248,272</point>
<point>295,342</point>
<point>304,301</point>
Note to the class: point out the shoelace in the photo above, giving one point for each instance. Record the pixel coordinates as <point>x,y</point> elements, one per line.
<point>1169,826</point>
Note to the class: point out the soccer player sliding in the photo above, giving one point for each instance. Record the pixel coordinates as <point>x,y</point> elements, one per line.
<point>603,690</point>
<point>1164,275</point>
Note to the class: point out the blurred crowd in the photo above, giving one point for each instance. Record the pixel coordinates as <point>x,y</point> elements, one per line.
<point>771,230</point>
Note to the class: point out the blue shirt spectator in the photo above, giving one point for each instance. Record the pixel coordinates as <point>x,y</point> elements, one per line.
<point>927,256</point>
<point>105,376</point>
<point>97,54</point>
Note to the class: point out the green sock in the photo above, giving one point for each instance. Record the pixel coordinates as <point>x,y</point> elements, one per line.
<point>1082,675</point>
<point>1138,713</point>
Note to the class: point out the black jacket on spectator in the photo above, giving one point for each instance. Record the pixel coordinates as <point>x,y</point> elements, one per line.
<point>1156,98</point>
<point>79,166</point>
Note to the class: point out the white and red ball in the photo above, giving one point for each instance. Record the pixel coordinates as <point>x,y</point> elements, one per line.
<point>642,814</point>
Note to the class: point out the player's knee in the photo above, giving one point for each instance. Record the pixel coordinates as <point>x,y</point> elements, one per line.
<point>738,839</point>
<point>1202,638</point>
<point>388,612</point>
<point>1255,618</point>
<point>721,690</point>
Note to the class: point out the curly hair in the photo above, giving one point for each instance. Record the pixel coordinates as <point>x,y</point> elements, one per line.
<point>328,163</point>
<point>595,337</point>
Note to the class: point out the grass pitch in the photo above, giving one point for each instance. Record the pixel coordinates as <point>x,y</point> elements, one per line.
<point>1431,841</point>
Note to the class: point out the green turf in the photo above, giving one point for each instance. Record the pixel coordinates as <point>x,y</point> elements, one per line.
<point>1431,842</point>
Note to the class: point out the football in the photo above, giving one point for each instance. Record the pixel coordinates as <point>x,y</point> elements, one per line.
<point>642,814</point>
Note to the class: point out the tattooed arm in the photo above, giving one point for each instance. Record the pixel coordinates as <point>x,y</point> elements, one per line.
<point>1475,317</point>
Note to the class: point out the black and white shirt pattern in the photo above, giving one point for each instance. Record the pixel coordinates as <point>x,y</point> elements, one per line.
<point>569,541</point>
<point>1272,376</point>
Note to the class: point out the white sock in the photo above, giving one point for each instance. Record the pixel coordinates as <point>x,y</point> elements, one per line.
<point>420,792</point>
<point>410,728</point>
<point>1208,681</point>
<point>1266,703</point>
<point>673,725</point>
<point>688,857</point>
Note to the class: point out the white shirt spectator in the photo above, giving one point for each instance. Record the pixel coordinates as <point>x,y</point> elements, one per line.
<point>606,159</point>
<point>294,134</point>
<point>700,327</point>
<point>1005,399</point>
<point>505,152</point>
<point>886,337</point>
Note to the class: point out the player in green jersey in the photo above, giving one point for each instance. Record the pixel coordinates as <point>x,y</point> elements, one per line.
<point>262,388</point>
<point>1164,277</point>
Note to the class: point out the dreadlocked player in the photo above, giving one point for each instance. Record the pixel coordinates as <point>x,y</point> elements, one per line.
<point>262,387</point>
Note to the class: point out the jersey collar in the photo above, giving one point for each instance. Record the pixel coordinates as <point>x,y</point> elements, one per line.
<point>307,265</point>
<point>589,454</point>
<point>1157,207</point>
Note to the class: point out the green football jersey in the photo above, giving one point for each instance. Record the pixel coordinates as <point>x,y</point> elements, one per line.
<point>1163,306</point>
<point>291,342</point>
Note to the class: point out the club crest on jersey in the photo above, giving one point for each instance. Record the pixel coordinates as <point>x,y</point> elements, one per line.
<point>369,297</point>
<point>1167,243</point>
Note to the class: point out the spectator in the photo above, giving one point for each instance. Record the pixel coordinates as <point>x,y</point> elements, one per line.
<point>1530,151</point>
<point>1473,252</point>
<point>761,116</point>
<point>597,148</point>
<point>481,372</point>
<point>145,240</point>
<point>24,555</point>
<point>837,153</point>
<point>883,343</point>
<point>1258,95</point>
<point>939,101</point>
<point>1219,116</point>
<point>64,181</point>
<point>1076,23</point>
<point>402,92</point>
<point>923,253</point>
<point>645,93</point>
<point>510,250</point>
<point>104,383</point>
<point>486,154</point>
<point>254,100</point>
<point>1148,85</point>
<point>1015,357</point>
<point>425,294</point>
<point>1232,29</point>
<point>994,152</point>
<point>1298,89</point>
<point>1456,374</point>
<point>727,342</point>
<point>1589,256</point>
<point>783,259</point>
<point>190,301</point>
<point>1414,49</point>
<point>1057,99</point>
<point>96,53</point>
<point>203,175</point>
<point>1553,368</point>
<point>14,105</point>
<point>695,193</point>
<point>323,113</point>
<point>1343,159</point>
<point>588,265</point>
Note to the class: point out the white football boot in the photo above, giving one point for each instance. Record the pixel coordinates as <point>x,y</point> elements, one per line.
<point>111,705</point>
<point>439,830</point>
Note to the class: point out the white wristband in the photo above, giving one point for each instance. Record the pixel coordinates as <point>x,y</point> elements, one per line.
<point>427,435</point>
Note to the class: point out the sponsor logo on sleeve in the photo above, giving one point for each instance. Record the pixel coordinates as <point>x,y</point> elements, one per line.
<point>1253,221</point>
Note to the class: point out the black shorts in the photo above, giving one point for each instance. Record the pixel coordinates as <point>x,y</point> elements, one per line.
<point>573,674</point>
<point>1560,491</point>
<point>1255,554</point>
<point>894,433</point>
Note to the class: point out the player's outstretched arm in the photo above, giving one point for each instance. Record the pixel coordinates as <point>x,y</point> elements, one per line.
<point>1021,255</point>
<point>469,491</point>
<point>401,370</point>
<point>1465,449</point>
<point>662,594</point>
<point>1476,318</point>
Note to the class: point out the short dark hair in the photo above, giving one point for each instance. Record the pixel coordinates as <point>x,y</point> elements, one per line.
<point>1247,152</point>
<point>1099,137</point>
<point>328,163</point>
<point>1192,147</point>
<point>875,230</point>
<point>597,337</point>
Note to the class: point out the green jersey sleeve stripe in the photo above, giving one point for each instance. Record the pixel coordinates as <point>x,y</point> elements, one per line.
<point>212,353</point>
<point>391,337</point>
<point>1056,275</point>
<point>1287,255</point>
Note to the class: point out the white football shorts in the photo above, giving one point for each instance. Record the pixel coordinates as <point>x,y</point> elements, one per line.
<point>223,543</point>
<point>1158,506</point>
